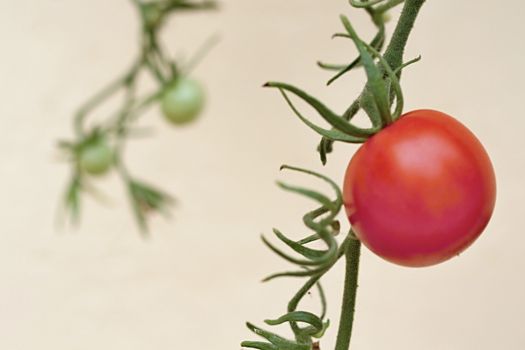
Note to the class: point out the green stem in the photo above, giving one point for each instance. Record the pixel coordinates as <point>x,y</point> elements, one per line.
<point>103,95</point>
<point>352,253</point>
<point>93,102</point>
<point>394,52</point>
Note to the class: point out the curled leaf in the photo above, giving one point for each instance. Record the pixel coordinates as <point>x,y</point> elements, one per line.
<point>313,264</point>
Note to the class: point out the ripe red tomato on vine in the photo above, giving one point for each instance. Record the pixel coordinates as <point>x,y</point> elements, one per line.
<point>421,190</point>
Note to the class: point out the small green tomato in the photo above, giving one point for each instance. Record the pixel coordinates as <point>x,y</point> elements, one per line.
<point>96,157</point>
<point>183,101</point>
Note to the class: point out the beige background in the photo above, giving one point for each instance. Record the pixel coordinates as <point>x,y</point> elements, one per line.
<point>196,281</point>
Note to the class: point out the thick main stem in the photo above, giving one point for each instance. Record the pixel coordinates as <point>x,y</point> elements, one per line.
<point>394,52</point>
<point>352,254</point>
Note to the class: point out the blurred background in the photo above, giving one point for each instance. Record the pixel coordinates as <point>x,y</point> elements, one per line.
<point>195,281</point>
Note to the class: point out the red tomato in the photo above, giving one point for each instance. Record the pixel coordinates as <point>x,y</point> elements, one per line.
<point>420,191</point>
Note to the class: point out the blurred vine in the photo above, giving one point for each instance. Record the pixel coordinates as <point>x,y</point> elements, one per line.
<point>381,92</point>
<point>97,149</point>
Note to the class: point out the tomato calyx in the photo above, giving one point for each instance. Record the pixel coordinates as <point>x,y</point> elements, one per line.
<point>382,90</point>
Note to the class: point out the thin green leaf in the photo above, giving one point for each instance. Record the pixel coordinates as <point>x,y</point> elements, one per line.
<point>293,260</point>
<point>145,199</point>
<point>301,273</point>
<point>280,342</point>
<point>320,334</point>
<point>332,184</point>
<point>331,66</point>
<point>406,64</point>
<point>328,115</point>
<point>333,134</point>
<point>178,5</point>
<point>322,296</point>
<point>300,316</point>
<point>309,239</point>
<point>299,248</point>
<point>72,198</point>
<point>388,5</point>
<point>316,196</point>
<point>376,42</point>
<point>326,145</point>
<point>375,78</point>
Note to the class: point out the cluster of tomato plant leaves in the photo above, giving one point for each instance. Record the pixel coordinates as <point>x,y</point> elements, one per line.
<point>381,91</point>
<point>98,148</point>
<point>313,263</point>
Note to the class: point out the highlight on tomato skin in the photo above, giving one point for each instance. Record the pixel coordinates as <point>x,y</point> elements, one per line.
<point>420,191</point>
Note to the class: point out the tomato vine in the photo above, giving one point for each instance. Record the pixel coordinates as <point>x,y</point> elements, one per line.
<point>381,91</point>
<point>98,148</point>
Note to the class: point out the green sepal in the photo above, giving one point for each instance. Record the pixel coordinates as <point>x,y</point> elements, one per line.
<point>375,77</point>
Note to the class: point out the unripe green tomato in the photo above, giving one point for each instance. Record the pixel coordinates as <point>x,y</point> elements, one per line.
<point>183,101</point>
<point>96,158</point>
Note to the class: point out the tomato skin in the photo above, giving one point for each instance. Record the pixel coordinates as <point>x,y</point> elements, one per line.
<point>421,190</point>
<point>183,101</point>
<point>96,157</point>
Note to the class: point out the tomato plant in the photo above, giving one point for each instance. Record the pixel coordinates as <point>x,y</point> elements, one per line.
<point>96,157</point>
<point>180,97</point>
<point>183,101</point>
<point>421,190</point>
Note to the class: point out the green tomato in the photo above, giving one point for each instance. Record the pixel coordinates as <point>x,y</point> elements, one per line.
<point>96,157</point>
<point>183,101</point>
